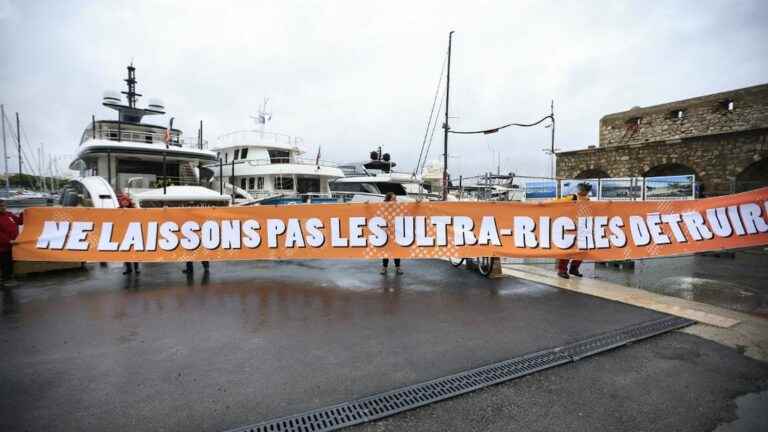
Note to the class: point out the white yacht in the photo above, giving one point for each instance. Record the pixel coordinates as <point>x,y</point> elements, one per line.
<point>261,167</point>
<point>138,163</point>
<point>371,181</point>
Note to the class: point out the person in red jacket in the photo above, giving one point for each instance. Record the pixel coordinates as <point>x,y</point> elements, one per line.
<point>9,230</point>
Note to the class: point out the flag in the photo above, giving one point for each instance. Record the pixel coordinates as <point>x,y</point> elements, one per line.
<point>317,159</point>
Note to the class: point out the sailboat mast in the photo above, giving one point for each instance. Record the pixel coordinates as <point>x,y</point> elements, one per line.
<point>18,140</point>
<point>445,126</point>
<point>5,152</point>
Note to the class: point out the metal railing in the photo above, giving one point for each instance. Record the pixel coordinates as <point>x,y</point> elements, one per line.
<point>160,181</point>
<point>273,161</point>
<point>140,136</point>
<point>248,137</point>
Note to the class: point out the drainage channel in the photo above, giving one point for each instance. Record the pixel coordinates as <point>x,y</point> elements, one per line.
<point>395,401</point>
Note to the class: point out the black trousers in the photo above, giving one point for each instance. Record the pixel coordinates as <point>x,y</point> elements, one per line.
<point>385,262</point>
<point>190,267</point>
<point>6,264</point>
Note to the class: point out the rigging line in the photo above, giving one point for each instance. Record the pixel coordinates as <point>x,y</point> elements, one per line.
<point>431,113</point>
<point>432,136</point>
<point>494,130</point>
<point>26,157</point>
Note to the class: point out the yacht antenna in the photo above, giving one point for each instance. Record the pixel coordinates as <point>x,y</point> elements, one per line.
<point>131,81</point>
<point>263,116</point>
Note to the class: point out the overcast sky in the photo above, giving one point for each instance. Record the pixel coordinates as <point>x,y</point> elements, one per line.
<point>350,76</point>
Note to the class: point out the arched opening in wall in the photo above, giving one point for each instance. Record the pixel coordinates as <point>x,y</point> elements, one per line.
<point>752,177</point>
<point>592,174</point>
<point>671,169</point>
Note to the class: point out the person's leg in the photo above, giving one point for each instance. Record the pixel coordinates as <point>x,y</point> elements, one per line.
<point>136,268</point>
<point>206,266</point>
<point>128,268</point>
<point>562,268</point>
<point>188,267</point>
<point>384,265</point>
<point>397,266</point>
<point>6,265</point>
<point>575,268</point>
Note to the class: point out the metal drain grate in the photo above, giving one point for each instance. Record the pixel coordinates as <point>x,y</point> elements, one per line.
<point>406,398</point>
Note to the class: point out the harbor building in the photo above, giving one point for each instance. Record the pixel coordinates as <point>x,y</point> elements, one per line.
<point>720,138</point>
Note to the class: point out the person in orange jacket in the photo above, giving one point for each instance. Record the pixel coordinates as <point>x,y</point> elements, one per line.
<point>563,269</point>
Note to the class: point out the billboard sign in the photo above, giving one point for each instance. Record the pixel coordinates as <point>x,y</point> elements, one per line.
<point>669,187</point>
<point>541,190</point>
<point>620,189</point>
<point>569,187</point>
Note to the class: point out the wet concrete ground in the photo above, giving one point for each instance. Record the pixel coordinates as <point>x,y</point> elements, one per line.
<point>732,280</point>
<point>96,350</point>
<point>673,382</point>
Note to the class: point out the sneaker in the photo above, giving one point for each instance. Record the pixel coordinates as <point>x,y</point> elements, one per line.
<point>563,275</point>
<point>398,271</point>
<point>575,273</point>
<point>383,271</point>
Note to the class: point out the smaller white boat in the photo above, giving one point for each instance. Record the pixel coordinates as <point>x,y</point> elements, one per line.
<point>261,167</point>
<point>371,181</point>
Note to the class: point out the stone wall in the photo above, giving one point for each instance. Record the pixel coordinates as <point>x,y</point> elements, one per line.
<point>716,160</point>
<point>705,115</point>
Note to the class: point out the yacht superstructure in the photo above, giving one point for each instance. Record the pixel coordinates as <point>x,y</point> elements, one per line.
<point>371,181</point>
<point>261,167</point>
<point>152,165</point>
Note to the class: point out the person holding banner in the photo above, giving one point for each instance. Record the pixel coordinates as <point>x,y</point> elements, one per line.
<point>563,269</point>
<point>9,230</point>
<point>125,202</point>
<point>390,197</point>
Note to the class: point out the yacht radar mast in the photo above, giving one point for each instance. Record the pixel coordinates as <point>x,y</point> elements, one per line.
<point>263,117</point>
<point>131,113</point>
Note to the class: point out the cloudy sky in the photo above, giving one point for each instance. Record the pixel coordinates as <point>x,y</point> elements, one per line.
<point>350,76</point>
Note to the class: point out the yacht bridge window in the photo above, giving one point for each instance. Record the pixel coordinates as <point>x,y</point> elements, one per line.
<point>251,183</point>
<point>279,156</point>
<point>244,153</point>
<point>237,154</point>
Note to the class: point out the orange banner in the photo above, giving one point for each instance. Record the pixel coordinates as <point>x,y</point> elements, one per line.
<point>599,231</point>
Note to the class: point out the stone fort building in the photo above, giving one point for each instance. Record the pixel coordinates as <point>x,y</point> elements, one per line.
<point>721,138</point>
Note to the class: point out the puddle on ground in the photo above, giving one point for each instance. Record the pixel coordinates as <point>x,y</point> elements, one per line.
<point>751,414</point>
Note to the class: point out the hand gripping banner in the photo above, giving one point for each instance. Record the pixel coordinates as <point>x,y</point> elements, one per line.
<point>596,230</point>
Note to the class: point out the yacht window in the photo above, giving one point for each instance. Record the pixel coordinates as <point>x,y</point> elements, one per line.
<point>237,154</point>
<point>395,188</point>
<point>279,156</point>
<point>243,182</point>
<point>218,155</point>
<point>252,183</point>
<point>148,138</point>
<point>284,183</point>
<point>260,183</point>
<point>348,187</point>
<point>243,153</point>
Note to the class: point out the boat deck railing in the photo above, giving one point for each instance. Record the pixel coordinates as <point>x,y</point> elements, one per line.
<point>141,137</point>
<point>276,161</point>
<point>251,137</point>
